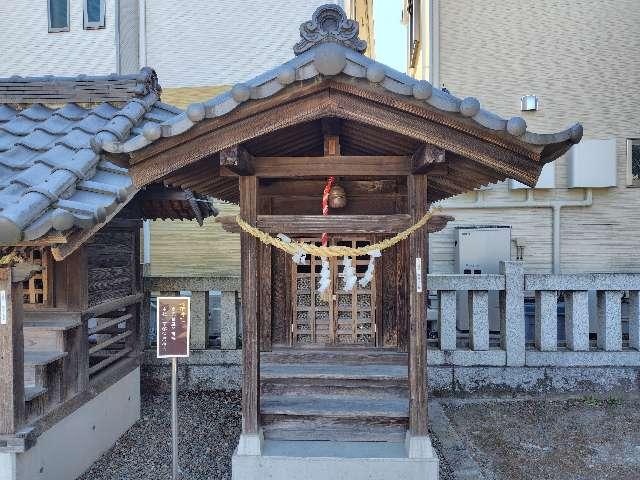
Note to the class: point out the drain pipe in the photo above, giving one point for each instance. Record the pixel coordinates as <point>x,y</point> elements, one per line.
<point>529,202</point>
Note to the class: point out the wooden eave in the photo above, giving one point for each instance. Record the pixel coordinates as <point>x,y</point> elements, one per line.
<point>495,155</point>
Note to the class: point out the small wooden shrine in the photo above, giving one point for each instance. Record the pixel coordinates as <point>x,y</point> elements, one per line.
<point>341,153</point>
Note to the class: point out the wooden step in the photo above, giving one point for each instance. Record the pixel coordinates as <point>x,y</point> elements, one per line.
<point>366,381</point>
<point>36,366</point>
<point>36,358</point>
<point>31,392</point>
<point>334,372</point>
<point>49,331</point>
<point>340,356</point>
<point>335,419</point>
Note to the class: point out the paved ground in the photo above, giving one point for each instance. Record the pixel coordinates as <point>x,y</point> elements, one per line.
<point>562,439</point>
<point>574,439</point>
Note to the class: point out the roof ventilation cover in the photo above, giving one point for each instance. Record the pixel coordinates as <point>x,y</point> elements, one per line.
<point>529,103</point>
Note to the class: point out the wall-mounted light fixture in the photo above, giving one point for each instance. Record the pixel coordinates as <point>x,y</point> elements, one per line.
<point>529,103</point>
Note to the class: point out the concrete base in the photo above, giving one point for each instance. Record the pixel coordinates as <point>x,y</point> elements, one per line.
<point>307,460</point>
<point>71,446</point>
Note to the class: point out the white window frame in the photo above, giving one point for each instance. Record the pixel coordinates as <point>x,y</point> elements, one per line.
<point>630,181</point>
<point>58,29</point>
<point>94,25</point>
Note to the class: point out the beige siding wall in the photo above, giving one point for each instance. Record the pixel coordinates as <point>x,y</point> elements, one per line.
<point>185,249</point>
<point>581,59</point>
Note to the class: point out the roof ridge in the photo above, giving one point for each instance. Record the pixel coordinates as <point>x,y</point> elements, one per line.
<point>50,89</point>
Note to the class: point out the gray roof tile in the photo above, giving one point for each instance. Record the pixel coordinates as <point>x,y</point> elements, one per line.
<point>51,178</point>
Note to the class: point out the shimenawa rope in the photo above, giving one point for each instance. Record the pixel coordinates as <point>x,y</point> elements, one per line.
<point>335,250</point>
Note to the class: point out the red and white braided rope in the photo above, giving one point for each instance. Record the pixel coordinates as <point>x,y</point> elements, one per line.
<point>325,206</point>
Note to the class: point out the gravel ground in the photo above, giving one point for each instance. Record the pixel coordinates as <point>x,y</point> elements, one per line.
<point>562,439</point>
<point>209,431</point>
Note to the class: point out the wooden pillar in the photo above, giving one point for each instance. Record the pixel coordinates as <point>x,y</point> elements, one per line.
<point>417,203</point>
<point>264,262</point>
<point>11,354</point>
<point>250,324</point>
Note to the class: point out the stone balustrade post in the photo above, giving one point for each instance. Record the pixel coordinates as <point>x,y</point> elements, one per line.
<point>229,320</point>
<point>447,319</point>
<point>479,319</point>
<point>576,319</point>
<point>512,321</point>
<point>609,320</point>
<point>199,320</point>
<point>546,331</point>
<point>634,319</point>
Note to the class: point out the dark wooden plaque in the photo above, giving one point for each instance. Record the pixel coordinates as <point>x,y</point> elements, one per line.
<point>173,325</point>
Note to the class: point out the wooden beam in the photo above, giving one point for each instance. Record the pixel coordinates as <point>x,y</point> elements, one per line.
<point>331,128</point>
<point>12,409</point>
<point>250,323</point>
<point>344,166</point>
<point>333,224</point>
<point>237,160</point>
<point>417,198</point>
<point>428,158</point>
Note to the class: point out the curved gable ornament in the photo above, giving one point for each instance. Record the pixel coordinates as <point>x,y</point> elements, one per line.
<point>329,23</point>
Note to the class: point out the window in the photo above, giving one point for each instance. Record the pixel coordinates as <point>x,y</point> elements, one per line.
<point>93,14</point>
<point>58,15</point>
<point>633,162</point>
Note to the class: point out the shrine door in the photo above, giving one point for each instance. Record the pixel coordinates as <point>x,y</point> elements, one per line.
<point>336,317</point>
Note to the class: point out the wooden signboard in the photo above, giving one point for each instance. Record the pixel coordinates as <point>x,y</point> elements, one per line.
<point>173,326</point>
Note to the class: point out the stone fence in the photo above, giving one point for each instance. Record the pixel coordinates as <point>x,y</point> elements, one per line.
<point>604,344</point>
<point>200,290</point>
<point>527,333</point>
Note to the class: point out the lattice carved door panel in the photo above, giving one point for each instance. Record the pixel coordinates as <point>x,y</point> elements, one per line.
<point>338,316</point>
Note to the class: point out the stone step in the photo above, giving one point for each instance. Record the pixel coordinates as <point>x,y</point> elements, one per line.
<point>341,356</point>
<point>334,418</point>
<point>335,460</point>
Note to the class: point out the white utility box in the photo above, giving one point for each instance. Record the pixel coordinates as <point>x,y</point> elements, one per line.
<point>479,249</point>
<point>547,178</point>
<point>592,163</point>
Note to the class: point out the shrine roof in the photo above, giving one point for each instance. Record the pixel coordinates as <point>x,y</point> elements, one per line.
<point>330,48</point>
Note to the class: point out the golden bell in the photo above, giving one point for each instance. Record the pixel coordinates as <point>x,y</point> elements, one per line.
<point>337,197</point>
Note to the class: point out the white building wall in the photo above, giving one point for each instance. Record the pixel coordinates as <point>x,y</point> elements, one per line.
<point>200,42</point>
<point>29,49</point>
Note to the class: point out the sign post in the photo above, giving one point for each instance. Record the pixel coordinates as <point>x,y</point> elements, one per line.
<point>173,330</point>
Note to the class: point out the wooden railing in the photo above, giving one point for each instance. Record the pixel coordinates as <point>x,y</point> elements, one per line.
<point>113,332</point>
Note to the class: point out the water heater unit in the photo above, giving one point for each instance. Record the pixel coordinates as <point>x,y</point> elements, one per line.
<point>479,249</point>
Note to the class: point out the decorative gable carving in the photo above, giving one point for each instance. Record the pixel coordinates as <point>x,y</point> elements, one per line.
<point>329,23</point>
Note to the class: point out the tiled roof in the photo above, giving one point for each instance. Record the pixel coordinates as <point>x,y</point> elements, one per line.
<point>335,52</point>
<point>51,177</point>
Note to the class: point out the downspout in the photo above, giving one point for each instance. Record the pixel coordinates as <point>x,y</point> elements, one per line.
<point>142,33</point>
<point>146,242</point>
<point>529,202</point>
<point>434,42</point>
<point>116,5</point>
